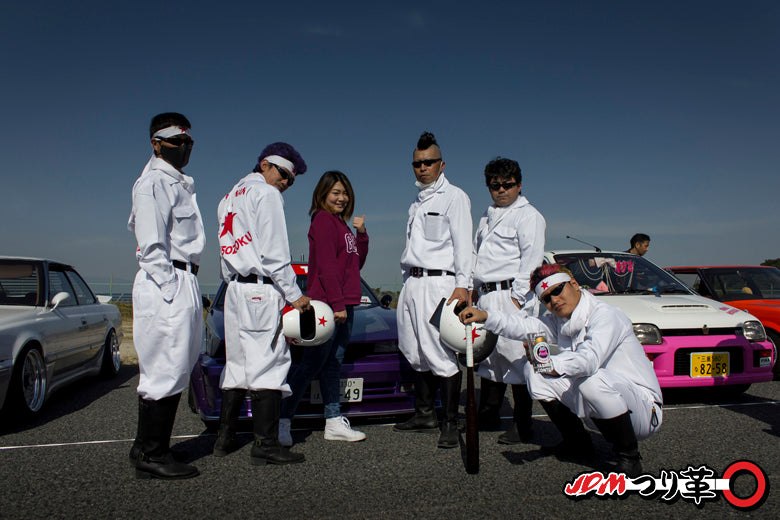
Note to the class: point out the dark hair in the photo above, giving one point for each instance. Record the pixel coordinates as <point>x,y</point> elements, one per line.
<point>167,119</point>
<point>545,270</point>
<point>639,237</point>
<point>426,140</point>
<point>325,184</point>
<point>283,150</point>
<point>501,167</point>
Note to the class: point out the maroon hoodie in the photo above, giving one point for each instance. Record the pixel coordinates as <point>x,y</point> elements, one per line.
<point>335,259</point>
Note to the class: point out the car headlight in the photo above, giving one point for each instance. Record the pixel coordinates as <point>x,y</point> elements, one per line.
<point>647,334</point>
<point>754,331</point>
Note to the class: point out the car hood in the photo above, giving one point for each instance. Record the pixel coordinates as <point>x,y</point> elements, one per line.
<point>374,324</point>
<point>12,315</point>
<point>677,311</point>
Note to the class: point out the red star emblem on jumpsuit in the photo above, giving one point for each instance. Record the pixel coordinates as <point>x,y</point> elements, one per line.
<point>323,321</point>
<point>227,226</point>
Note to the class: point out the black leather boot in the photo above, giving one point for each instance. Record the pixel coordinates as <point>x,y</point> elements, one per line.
<point>226,442</point>
<point>178,455</point>
<point>619,432</point>
<point>450,397</point>
<point>522,429</point>
<point>266,408</point>
<point>424,418</point>
<point>577,444</point>
<point>155,424</point>
<point>491,397</point>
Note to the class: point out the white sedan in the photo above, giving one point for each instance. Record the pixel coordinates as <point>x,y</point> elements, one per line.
<point>53,330</point>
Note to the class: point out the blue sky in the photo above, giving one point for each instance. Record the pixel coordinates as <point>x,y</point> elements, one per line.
<point>655,117</point>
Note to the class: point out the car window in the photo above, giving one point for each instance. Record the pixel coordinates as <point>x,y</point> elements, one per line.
<point>693,280</point>
<point>20,283</point>
<point>58,283</point>
<point>744,283</point>
<point>83,293</point>
<point>617,273</point>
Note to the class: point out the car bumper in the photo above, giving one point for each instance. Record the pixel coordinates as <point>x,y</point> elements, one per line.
<point>747,361</point>
<point>387,389</point>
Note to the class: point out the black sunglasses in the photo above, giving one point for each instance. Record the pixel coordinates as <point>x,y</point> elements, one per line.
<point>495,186</point>
<point>287,176</point>
<point>179,141</point>
<point>555,292</point>
<point>426,162</point>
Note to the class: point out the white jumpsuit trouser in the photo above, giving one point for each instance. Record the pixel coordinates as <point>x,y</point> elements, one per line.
<point>257,355</point>
<point>418,340</point>
<point>167,335</point>
<point>604,395</point>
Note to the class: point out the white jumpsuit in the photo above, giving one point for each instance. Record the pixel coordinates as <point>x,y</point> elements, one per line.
<point>604,369</point>
<point>508,245</point>
<point>167,307</point>
<point>253,241</point>
<point>438,236</point>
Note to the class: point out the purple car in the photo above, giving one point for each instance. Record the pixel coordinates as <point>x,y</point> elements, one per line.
<point>376,379</point>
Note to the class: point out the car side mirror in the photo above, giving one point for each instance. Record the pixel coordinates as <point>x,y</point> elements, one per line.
<point>386,300</point>
<point>58,299</point>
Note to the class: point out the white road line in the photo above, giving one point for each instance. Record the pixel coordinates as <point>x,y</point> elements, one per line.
<point>84,443</point>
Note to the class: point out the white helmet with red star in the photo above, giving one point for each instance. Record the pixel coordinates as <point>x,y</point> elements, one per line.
<point>310,328</point>
<point>453,334</point>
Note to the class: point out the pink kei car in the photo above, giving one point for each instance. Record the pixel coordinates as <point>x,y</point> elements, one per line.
<point>692,341</point>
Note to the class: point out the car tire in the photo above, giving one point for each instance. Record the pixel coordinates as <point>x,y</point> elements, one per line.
<point>191,400</point>
<point>111,356</point>
<point>774,337</point>
<point>29,382</point>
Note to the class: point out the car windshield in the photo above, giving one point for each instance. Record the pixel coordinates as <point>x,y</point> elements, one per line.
<point>617,273</point>
<point>20,283</point>
<point>743,283</point>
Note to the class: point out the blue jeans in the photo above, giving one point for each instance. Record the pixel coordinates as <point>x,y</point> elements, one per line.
<point>324,360</point>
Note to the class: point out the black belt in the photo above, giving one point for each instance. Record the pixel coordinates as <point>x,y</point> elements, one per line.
<point>252,278</point>
<point>417,272</point>
<point>494,286</point>
<point>193,268</point>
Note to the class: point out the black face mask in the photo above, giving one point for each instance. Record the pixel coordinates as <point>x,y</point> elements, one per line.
<point>177,157</point>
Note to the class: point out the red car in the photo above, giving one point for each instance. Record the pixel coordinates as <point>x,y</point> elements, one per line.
<point>753,288</point>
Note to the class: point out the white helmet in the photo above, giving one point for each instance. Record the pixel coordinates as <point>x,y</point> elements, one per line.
<point>453,332</point>
<point>309,328</point>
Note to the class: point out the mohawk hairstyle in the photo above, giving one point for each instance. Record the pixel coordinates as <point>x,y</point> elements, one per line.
<point>426,141</point>
<point>283,150</point>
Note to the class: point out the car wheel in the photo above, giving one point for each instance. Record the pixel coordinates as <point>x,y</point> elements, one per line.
<point>191,400</point>
<point>28,383</point>
<point>111,357</point>
<point>774,337</point>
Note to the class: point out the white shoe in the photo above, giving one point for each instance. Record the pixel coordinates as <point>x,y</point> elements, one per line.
<point>338,429</point>
<point>285,437</point>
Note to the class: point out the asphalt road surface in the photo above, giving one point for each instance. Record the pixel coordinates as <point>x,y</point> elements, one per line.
<point>72,463</point>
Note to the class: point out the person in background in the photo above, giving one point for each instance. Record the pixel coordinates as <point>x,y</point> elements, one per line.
<point>640,243</point>
<point>336,256</point>
<point>167,305</point>
<point>508,245</point>
<point>255,262</point>
<point>436,263</point>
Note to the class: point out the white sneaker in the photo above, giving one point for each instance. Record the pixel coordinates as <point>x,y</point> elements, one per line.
<point>285,437</point>
<point>338,429</point>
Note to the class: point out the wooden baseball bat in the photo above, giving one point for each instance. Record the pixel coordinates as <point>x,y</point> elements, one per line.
<point>472,434</point>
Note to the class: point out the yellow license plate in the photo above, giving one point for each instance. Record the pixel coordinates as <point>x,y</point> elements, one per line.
<point>710,364</point>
